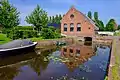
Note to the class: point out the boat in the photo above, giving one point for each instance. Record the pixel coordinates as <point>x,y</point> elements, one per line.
<point>17,47</point>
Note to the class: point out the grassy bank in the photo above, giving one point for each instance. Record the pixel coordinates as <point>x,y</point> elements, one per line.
<point>4,39</point>
<point>40,38</point>
<point>115,68</point>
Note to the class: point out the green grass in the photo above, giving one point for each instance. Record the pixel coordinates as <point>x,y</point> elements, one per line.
<point>4,39</point>
<point>36,39</point>
<point>115,68</point>
<point>40,38</point>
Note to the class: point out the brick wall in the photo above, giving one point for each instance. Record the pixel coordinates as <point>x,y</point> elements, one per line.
<point>86,27</point>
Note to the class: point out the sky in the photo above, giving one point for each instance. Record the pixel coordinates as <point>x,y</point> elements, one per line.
<point>106,9</point>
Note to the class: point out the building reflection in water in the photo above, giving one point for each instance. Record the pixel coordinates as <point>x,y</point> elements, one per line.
<point>77,54</point>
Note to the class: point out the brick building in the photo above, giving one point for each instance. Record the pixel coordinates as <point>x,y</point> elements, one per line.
<point>74,23</point>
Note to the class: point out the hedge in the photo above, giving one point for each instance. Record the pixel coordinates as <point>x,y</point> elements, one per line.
<point>23,34</point>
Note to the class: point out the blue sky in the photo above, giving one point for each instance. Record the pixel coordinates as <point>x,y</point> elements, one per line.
<point>106,8</point>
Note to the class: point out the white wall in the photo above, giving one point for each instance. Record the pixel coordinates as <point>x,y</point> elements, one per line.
<point>105,33</point>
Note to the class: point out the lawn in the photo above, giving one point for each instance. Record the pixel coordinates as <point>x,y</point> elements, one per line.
<point>4,39</point>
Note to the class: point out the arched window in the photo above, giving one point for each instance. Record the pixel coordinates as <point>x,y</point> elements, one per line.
<point>71,27</point>
<point>78,27</point>
<point>71,16</point>
<point>65,27</point>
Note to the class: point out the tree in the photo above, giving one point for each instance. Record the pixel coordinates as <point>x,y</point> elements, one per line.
<point>38,18</point>
<point>47,33</point>
<point>89,15</point>
<point>9,16</point>
<point>101,25</point>
<point>57,21</point>
<point>98,22</point>
<point>110,26</point>
<point>53,19</point>
<point>50,19</point>
<point>50,33</point>
<point>95,16</point>
<point>118,27</point>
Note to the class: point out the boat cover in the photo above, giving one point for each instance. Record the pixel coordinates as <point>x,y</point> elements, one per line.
<point>16,43</point>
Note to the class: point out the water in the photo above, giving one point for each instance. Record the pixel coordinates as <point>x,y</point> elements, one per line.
<point>72,62</point>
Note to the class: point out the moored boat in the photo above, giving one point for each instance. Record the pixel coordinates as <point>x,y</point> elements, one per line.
<point>17,47</point>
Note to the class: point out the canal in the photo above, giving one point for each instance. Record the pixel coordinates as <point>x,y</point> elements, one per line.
<point>70,62</point>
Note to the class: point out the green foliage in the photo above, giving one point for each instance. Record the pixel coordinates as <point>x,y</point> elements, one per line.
<point>4,31</point>
<point>9,16</point>
<point>89,15</point>
<point>118,27</point>
<point>3,39</point>
<point>55,19</point>
<point>50,33</point>
<point>110,26</point>
<point>101,25</point>
<point>24,28</point>
<point>98,22</point>
<point>95,16</point>
<point>16,34</point>
<point>38,18</point>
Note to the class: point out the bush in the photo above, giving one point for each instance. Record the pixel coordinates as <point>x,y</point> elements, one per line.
<point>4,30</point>
<point>24,28</point>
<point>23,34</point>
<point>50,33</point>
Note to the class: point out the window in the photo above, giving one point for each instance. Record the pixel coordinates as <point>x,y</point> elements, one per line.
<point>71,27</point>
<point>71,16</point>
<point>65,27</point>
<point>78,27</point>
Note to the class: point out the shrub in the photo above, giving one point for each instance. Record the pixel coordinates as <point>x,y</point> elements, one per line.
<point>16,34</point>
<point>50,33</point>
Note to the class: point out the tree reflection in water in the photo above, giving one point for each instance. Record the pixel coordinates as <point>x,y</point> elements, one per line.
<point>8,73</point>
<point>40,62</point>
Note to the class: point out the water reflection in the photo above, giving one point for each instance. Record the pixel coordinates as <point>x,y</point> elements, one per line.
<point>76,61</point>
<point>77,55</point>
<point>8,73</point>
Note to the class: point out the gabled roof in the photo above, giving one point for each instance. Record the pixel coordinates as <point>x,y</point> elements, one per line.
<point>87,18</point>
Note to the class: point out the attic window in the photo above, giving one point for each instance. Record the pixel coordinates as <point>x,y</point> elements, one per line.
<point>71,16</point>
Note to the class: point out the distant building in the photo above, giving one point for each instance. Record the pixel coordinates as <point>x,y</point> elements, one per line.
<point>75,23</point>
